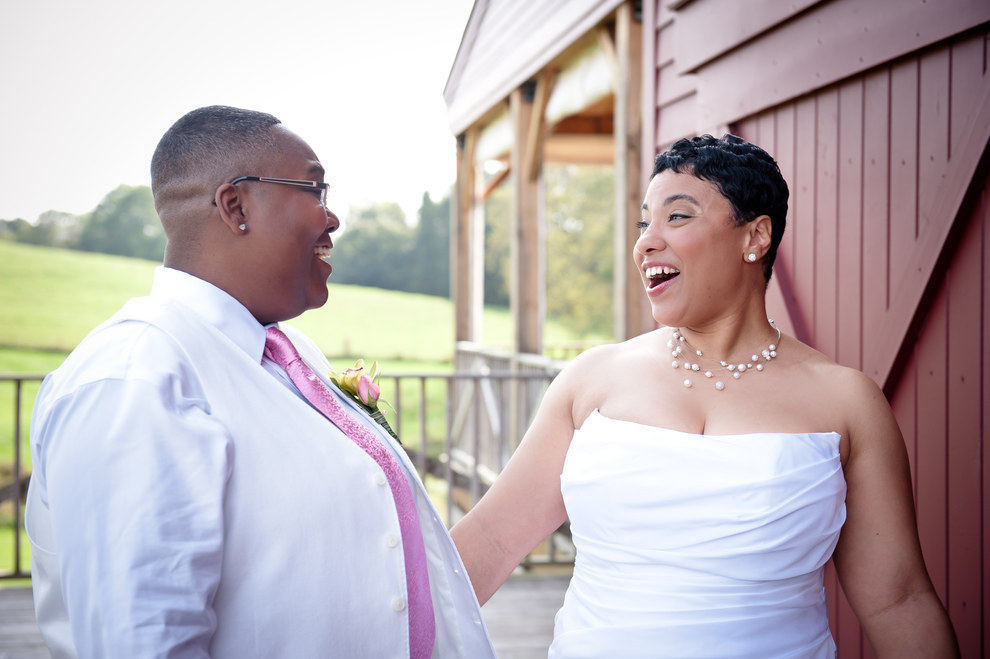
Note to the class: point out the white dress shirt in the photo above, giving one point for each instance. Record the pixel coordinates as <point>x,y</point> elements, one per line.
<point>186,503</point>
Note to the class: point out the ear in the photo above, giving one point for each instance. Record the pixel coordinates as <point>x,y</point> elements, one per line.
<point>230,205</point>
<point>758,236</point>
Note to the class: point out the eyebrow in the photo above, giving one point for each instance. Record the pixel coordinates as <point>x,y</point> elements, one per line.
<point>679,197</point>
<point>672,198</point>
<point>317,170</point>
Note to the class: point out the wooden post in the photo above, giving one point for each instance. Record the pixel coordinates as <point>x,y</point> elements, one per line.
<point>631,313</point>
<point>527,287</point>
<point>466,288</point>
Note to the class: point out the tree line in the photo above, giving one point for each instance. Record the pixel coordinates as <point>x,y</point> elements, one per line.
<point>379,248</point>
<point>124,223</point>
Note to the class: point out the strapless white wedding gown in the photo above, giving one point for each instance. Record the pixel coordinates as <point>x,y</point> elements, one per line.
<point>698,545</point>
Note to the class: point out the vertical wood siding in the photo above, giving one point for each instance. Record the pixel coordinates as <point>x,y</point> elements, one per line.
<point>940,403</point>
<point>871,162</point>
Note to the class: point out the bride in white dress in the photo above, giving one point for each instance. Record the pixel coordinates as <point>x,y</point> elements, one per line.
<point>710,468</point>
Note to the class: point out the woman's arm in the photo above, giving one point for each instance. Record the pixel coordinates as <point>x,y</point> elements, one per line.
<point>524,505</point>
<point>878,557</point>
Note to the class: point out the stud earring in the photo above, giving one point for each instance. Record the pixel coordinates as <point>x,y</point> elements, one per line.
<point>750,258</point>
<point>243,227</point>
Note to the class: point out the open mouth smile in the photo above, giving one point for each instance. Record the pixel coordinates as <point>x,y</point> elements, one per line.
<point>659,274</point>
<point>322,252</point>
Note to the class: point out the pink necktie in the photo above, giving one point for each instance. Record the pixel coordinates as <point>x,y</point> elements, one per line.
<point>422,628</point>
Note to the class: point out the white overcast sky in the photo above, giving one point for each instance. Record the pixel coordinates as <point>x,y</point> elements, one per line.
<point>88,88</point>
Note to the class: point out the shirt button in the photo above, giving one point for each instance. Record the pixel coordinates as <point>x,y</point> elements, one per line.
<point>392,540</point>
<point>380,479</point>
<point>398,604</point>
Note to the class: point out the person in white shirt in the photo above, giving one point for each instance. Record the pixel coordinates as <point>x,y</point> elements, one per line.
<point>186,499</point>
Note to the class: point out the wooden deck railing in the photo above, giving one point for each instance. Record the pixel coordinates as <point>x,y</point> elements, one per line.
<point>14,458</point>
<point>459,429</point>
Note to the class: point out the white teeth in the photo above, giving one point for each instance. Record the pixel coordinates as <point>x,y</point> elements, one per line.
<point>659,270</point>
<point>321,252</point>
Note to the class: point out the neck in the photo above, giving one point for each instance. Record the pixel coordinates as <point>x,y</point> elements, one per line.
<point>731,342</point>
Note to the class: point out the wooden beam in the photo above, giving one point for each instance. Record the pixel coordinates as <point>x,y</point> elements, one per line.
<point>580,149</point>
<point>460,212</point>
<point>608,46</point>
<point>648,91</point>
<point>476,275</point>
<point>538,126</point>
<point>495,182</point>
<point>631,316</point>
<point>462,251</point>
<point>527,285</point>
<point>582,124</point>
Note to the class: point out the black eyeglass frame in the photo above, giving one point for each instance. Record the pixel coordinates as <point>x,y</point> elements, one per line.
<point>322,187</point>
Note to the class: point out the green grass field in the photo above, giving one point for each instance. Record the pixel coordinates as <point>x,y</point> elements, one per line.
<point>51,298</point>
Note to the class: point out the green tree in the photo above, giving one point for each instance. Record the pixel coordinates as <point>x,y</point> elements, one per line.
<point>373,248</point>
<point>498,251</point>
<point>17,231</point>
<point>53,229</point>
<point>125,223</point>
<point>580,211</point>
<point>430,258</point>
<point>57,229</point>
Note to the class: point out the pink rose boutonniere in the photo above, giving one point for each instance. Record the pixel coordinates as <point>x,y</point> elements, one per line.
<point>361,386</point>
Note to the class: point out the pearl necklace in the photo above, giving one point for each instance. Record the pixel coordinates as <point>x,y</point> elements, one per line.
<point>677,343</point>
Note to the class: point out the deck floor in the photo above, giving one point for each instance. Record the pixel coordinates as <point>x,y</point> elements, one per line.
<point>19,635</point>
<point>519,618</point>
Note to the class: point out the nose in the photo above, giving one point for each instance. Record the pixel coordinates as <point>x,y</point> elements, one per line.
<point>649,240</point>
<point>333,222</point>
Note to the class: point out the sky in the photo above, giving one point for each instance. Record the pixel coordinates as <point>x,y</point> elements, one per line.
<point>88,88</point>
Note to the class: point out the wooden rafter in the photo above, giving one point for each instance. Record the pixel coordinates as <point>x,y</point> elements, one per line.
<point>538,125</point>
<point>607,43</point>
<point>495,182</point>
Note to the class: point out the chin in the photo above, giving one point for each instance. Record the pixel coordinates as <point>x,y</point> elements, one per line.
<point>665,317</point>
<point>318,298</point>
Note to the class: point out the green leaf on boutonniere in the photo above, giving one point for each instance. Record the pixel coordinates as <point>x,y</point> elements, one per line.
<point>362,387</point>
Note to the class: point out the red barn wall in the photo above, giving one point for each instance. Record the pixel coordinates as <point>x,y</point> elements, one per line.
<point>884,267</point>
<point>879,116</point>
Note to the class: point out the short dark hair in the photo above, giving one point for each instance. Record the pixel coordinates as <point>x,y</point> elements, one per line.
<point>209,139</point>
<point>744,174</point>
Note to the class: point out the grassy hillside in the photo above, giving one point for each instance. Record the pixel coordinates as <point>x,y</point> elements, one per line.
<point>51,298</point>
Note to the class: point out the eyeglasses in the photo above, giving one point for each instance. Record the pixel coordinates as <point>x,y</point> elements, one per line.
<point>313,185</point>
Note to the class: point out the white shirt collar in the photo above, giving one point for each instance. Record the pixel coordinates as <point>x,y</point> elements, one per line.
<point>214,305</point>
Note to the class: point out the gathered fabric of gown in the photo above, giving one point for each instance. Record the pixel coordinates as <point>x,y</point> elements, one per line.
<point>698,545</point>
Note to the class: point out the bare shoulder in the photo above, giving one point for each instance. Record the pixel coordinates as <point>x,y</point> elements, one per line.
<point>855,403</point>
<point>595,360</point>
<point>843,384</point>
<point>588,380</point>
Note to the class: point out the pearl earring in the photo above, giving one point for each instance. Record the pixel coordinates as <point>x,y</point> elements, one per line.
<point>750,258</point>
<point>243,227</point>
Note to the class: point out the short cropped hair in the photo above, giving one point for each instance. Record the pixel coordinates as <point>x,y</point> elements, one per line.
<point>208,141</point>
<point>744,174</point>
